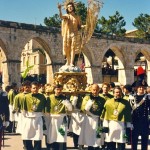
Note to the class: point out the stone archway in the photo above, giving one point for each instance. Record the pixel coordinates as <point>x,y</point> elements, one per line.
<point>121,62</point>
<point>3,65</point>
<point>145,52</point>
<point>49,67</point>
<point>43,45</point>
<point>88,56</point>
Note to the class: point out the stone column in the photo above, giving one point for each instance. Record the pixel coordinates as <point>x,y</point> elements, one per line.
<point>148,77</point>
<point>125,75</point>
<point>50,74</point>
<point>11,72</point>
<point>94,74</point>
<point>148,73</point>
<point>5,75</point>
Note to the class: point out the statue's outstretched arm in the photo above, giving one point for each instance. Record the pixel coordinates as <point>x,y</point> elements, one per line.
<point>60,12</point>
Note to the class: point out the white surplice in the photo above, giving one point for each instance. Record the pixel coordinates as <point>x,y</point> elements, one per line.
<point>53,135</point>
<point>32,126</point>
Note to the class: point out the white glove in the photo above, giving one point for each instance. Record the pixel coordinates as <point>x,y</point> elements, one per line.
<point>6,124</point>
<point>23,113</point>
<point>88,105</point>
<point>105,123</point>
<point>74,102</point>
<point>67,104</point>
<point>129,125</point>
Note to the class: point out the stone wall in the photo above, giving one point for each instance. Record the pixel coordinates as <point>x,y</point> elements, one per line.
<point>14,36</point>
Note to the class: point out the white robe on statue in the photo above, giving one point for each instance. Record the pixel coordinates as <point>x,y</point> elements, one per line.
<point>32,126</point>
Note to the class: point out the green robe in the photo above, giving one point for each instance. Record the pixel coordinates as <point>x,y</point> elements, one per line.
<point>97,106</point>
<point>11,96</point>
<point>111,92</point>
<point>126,97</point>
<point>122,107</point>
<point>56,106</point>
<point>19,101</point>
<point>106,96</point>
<point>34,102</point>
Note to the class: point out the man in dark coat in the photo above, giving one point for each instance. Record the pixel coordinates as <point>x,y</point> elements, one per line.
<point>4,112</point>
<point>140,103</point>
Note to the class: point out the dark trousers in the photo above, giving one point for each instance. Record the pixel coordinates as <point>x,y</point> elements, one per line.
<point>57,146</point>
<point>144,140</point>
<point>112,146</point>
<point>12,127</point>
<point>75,140</point>
<point>29,146</point>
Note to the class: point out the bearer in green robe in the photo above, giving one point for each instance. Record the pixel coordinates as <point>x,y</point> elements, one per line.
<point>11,95</point>
<point>105,92</point>
<point>92,106</point>
<point>34,106</point>
<point>19,98</point>
<point>117,118</point>
<point>57,131</point>
<point>18,105</point>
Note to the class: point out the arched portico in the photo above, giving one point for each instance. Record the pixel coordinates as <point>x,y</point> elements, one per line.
<point>121,61</point>
<point>92,69</point>
<point>15,35</point>
<point>145,51</point>
<point>4,65</point>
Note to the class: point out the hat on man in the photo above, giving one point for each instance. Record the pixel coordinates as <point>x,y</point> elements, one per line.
<point>140,83</point>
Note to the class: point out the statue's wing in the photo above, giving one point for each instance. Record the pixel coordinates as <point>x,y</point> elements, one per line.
<point>93,9</point>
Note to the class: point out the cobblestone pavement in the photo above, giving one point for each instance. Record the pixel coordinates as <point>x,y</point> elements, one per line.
<point>14,142</point>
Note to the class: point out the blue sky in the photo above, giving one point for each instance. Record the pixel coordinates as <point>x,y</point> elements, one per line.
<point>34,11</point>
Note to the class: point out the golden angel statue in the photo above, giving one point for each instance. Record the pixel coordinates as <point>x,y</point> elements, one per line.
<point>73,37</point>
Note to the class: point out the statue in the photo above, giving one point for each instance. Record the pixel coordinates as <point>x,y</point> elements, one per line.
<point>73,37</point>
<point>71,25</point>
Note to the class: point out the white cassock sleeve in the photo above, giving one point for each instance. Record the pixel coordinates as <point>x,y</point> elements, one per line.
<point>67,104</point>
<point>88,105</point>
<point>74,101</point>
<point>105,123</point>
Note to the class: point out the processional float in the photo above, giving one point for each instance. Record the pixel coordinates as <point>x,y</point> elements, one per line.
<point>71,77</point>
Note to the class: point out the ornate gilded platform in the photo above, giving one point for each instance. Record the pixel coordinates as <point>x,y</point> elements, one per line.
<point>73,82</point>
